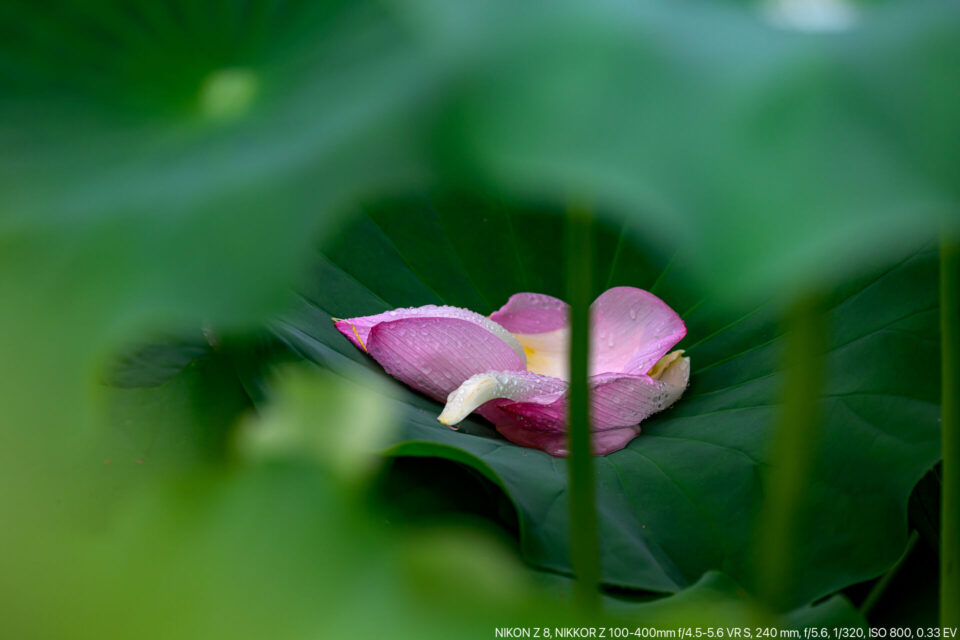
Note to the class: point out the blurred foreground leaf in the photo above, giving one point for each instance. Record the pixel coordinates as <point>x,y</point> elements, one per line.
<point>778,159</point>
<point>716,600</point>
<point>271,541</point>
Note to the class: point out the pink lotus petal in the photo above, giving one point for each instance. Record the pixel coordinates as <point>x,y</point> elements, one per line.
<point>623,399</point>
<point>357,330</point>
<point>541,324</point>
<point>556,444</point>
<point>434,349</point>
<point>618,404</point>
<point>631,330</point>
<point>486,391</point>
<point>532,313</point>
<point>617,400</point>
<point>436,355</point>
<point>530,409</point>
<point>512,367</point>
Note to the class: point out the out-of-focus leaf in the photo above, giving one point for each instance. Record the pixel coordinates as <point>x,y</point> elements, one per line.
<point>145,433</point>
<point>681,499</point>
<point>187,418</point>
<point>912,599</point>
<point>336,421</point>
<point>908,594</point>
<point>831,613</point>
<point>129,208</point>
<point>780,159</point>
<point>155,362</point>
<point>714,600</point>
<point>267,543</point>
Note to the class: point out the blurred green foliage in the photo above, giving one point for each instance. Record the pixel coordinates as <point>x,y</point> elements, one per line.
<point>168,167</point>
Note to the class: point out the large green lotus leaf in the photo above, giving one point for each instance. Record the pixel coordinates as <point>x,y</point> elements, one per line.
<point>683,497</point>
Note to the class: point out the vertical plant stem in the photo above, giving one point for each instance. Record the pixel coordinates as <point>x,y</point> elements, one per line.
<point>793,454</point>
<point>950,430</point>
<point>585,557</point>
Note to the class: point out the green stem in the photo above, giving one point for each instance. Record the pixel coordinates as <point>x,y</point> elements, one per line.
<point>794,451</point>
<point>585,556</point>
<point>884,581</point>
<point>950,431</point>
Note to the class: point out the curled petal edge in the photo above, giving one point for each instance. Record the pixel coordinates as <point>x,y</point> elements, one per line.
<point>530,409</point>
<point>357,330</point>
<point>515,386</point>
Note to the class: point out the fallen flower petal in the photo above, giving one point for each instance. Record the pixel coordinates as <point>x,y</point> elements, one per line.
<point>434,349</point>
<point>532,313</point>
<point>529,408</point>
<point>631,329</point>
<point>508,386</point>
<point>541,325</point>
<point>357,330</point>
<point>511,368</point>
